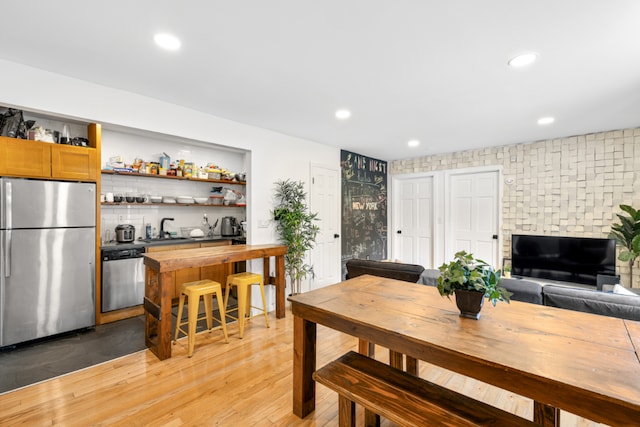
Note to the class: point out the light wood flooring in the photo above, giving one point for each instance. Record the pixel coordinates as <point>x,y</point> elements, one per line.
<point>244,383</point>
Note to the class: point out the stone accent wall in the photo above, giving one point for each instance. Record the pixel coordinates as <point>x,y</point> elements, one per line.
<point>558,187</point>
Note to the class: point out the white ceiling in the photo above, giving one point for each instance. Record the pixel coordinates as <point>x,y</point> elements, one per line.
<point>428,70</point>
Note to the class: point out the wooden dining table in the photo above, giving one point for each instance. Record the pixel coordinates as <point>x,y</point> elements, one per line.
<point>159,285</point>
<point>583,363</point>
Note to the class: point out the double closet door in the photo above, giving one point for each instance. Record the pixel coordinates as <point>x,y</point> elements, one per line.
<point>438,214</point>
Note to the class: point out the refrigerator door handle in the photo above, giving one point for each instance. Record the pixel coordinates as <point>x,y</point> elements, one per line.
<point>7,253</point>
<point>7,205</point>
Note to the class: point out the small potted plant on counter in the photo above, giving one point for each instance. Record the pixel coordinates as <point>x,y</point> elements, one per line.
<point>471,280</point>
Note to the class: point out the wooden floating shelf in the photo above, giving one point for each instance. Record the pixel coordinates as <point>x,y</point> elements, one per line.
<point>148,175</point>
<point>143,205</point>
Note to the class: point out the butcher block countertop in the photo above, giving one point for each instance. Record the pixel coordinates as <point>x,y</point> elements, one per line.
<point>200,257</point>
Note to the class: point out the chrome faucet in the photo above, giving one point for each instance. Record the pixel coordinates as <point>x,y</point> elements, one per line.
<point>164,234</point>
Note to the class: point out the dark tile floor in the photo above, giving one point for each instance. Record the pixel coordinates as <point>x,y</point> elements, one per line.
<point>47,358</point>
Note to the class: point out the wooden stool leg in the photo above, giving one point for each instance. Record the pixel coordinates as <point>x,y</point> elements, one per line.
<point>223,321</point>
<point>264,303</point>
<point>208,309</point>
<point>242,307</point>
<point>193,320</point>
<point>180,307</point>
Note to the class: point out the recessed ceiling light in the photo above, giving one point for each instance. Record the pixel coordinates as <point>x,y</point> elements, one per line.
<point>522,60</point>
<point>413,143</point>
<point>343,114</point>
<point>546,120</point>
<point>167,41</point>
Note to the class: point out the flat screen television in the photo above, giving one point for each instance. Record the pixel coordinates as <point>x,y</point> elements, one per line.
<point>564,259</point>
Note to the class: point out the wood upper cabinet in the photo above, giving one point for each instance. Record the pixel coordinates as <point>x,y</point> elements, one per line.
<point>36,159</point>
<point>24,158</point>
<point>77,163</point>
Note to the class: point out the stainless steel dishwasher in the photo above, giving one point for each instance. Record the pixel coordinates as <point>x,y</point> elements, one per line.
<point>122,278</point>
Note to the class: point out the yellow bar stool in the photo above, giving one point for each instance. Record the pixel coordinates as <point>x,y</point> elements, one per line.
<point>193,291</point>
<point>243,282</point>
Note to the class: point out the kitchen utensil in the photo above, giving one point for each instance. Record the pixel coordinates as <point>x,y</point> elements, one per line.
<point>211,229</point>
<point>65,136</point>
<point>125,233</point>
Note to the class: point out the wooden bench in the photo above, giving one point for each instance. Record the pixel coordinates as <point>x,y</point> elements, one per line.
<point>403,398</point>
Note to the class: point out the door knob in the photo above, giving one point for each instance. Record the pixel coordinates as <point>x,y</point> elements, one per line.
<point>335,236</point>
<point>399,231</point>
<point>495,237</point>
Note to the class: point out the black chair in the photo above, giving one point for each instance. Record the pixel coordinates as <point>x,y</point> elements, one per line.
<point>606,279</point>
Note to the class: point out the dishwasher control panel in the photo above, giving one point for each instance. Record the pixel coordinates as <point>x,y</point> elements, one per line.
<point>116,254</point>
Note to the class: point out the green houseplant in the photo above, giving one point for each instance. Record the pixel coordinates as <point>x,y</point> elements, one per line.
<point>627,235</point>
<point>471,279</point>
<point>297,229</point>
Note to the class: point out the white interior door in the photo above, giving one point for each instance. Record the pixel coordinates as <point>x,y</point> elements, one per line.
<point>413,220</point>
<point>325,199</point>
<point>473,215</point>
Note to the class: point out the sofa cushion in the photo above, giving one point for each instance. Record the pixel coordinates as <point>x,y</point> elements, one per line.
<point>592,301</point>
<point>523,290</point>
<point>391,270</point>
<point>429,277</point>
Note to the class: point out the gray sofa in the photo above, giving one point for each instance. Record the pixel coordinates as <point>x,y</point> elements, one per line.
<point>571,298</point>
<point>592,301</point>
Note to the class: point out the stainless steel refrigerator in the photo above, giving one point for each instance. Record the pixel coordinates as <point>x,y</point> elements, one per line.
<point>47,258</point>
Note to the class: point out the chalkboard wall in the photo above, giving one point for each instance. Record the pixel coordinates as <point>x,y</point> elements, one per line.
<point>364,208</point>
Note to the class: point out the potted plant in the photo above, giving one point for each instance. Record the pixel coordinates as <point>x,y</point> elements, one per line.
<point>471,280</point>
<point>297,229</point>
<point>627,235</point>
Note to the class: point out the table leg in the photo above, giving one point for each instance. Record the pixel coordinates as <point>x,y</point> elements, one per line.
<point>396,360</point>
<point>304,364</point>
<point>158,313</point>
<point>367,348</point>
<point>546,415</point>
<point>412,366</point>
<point>371,419</point>
<point>280,285</point>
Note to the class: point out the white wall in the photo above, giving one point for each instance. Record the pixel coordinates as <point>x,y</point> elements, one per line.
<point>273,156</point>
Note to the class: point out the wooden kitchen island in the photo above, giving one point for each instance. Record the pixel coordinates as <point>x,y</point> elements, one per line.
<point>159,285</point>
